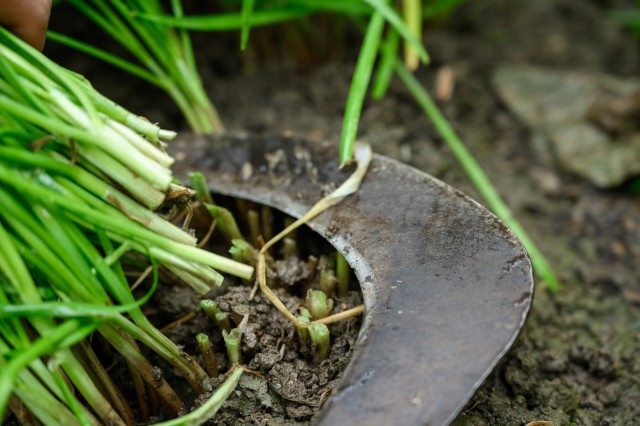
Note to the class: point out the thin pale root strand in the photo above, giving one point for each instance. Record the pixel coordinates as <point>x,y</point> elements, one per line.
<point>363,157</point>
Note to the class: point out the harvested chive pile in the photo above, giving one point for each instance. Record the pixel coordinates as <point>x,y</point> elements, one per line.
<point>80,179</point>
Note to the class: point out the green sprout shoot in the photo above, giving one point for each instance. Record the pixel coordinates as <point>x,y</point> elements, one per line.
<point>242,251</point>
<point>304,312</point>
<point>226,223</point>
<point>327,277</point>
<point>199,184</point>
<point>232,340</point>
<point>303,333</point>
<point>344,274</point>
<point>328,281</point>
<point>289,248</point>
<point>318,304</point>
<point>208,356</point>
<point>319,334</point>
<point>222,321</point>
<point>412,14</point>
<point>210,308</point>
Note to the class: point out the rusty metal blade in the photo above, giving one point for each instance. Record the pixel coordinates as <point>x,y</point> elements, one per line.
<point>446,285</point>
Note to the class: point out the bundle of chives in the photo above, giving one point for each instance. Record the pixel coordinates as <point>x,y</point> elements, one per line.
<point>79,177</point>
<point>40,100</point>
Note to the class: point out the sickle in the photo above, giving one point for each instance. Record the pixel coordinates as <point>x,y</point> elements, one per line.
<point>446,285</point>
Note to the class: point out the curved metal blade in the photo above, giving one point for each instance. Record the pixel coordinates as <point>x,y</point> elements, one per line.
<point>446,285</point>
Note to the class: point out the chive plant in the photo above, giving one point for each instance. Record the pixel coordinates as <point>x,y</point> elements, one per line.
<point>319,334</point>
<point>318,304</point>
<point>80,178</point>
<point>164,55</point>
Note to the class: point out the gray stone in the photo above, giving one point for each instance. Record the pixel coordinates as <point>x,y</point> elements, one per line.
<point>590,120</point>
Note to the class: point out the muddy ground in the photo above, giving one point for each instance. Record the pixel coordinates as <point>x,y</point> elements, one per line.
<point>578,359</point>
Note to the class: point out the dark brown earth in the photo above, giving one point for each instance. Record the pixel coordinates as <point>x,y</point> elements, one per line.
<point>578,359</point>
<point>287,387</point>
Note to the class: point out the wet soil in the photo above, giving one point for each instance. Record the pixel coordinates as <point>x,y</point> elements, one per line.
<point>578,358</point>
<point>286,387</point>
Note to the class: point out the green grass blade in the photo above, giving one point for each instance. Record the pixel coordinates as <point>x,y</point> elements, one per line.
<point>187,48</point>
<point>105,56</point>
<point>16,83</point>
<point>63,336</point>
<point>72,402</point>
<point>44,252</point>
<point>166,54</point>
<point>199,184</point>
<point>412,13</point>
<point>247,10</point>
<point>102,15</point>
<point>359,84</point>
<point>225,21</point>
<point>156,44</point>
<point>388,57</point>
<point>477,175</point>
<point>337,6</point>
<point>207,410</point>
<point>14,269</point>
<point>390,15</point>
<point>68,309</point>
<point>40,398</point>
<point>53,70</point>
